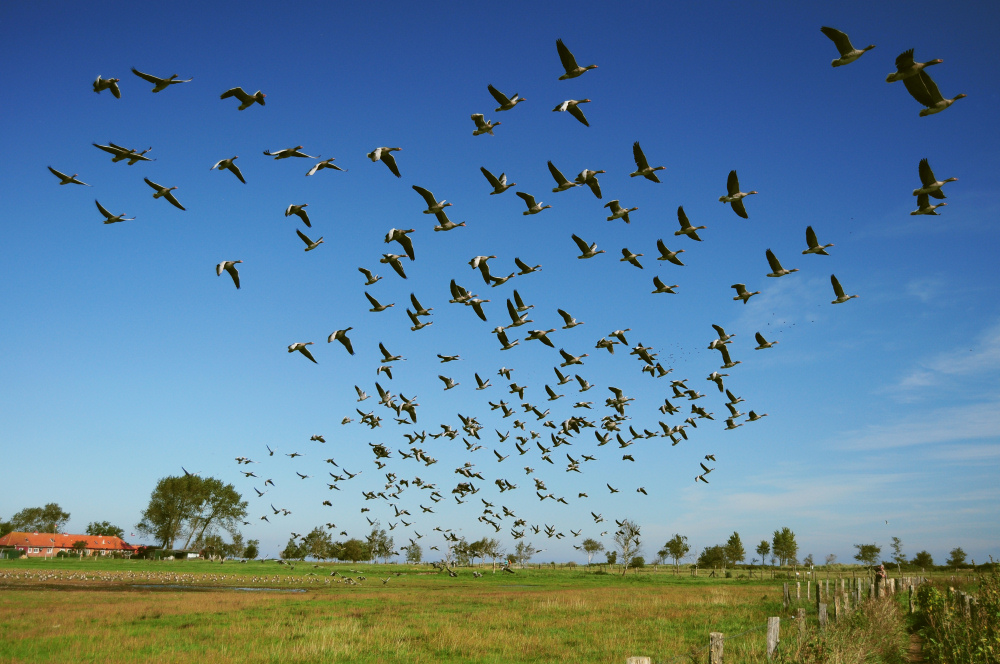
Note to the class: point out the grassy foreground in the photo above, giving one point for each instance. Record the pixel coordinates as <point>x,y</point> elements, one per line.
<point>99,611</point>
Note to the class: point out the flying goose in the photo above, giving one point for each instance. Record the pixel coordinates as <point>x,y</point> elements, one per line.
<point>839,291</point>
<point>376,306</point>
<point>385,156</point>
<point>586,250</point>
<point>164,192</point>
<point>326,163</point>
<point>924,205</point>
<point>111,218</point>
<point>571,359</point>
<point>228,165</point>
<point>499,185</point>
<point>848,53</point>
<point>589,178</point>
<point>444,223</point>
<point>419,310</point>
<point>618,212</point>
<point>482,125</point>
<point>482,384</point>
<point>341,336</point>
<point>906,67</point>
<point>922,88</point>
<point>159,84</point>
<point>562,184</point>
<point>517,319</point>
<point>735,196</point>
<point>723,337</point>
<point>727,362</point>
<point>246,101</point>
<point>814,245</point>
<point>67,179</point>
<point>448,382</point>
<point>763,343</point>
<point>387,356</point>
<point>417,324</point>
<point>448,358</point>
<point>662,287</point>
<point>370,278</point>
<point>572,105</point>
<point>525,268</point>
<point>776,269</point>
<point>400,236</point>
<point>686,227</point>
<point>300,211</point>
<point>667,255</point>
<point>288,152</point>
<point>742,293</point>
<point>540,335</point>
<point>569,321</point>
<point>628,256</point>
<point>569,62</point>
<point>642,166</point>
<point>301,347</point>
<point>310,245</point>
<point>433,205</point>
<point>506,103</point>
<point>119,153</point>
<point>101,84</point>
<point>505,344</point>
<point>930,185</point>
<point>230,267</point>
<point>753,417</point>
<point>533,206</point>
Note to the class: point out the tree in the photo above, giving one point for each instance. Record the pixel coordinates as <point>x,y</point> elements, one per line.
<point>784,546</point>
<point>251,550</point>
<point>212,546</point>
<point>6,527</point>
<point>318,544</point>
<point>831,558</point>
<point>48,519</point>
<point>627,541</point>
<point>293,550</point>
<point>923,560</point>
<point>762,550</point>
<point>612,558</point>
<point>380,545</point>
<point>677,547</point>
<point>898,556</point>
<point>494,549</point>
<point>867,553</point>
<point>591,547</point>
<point>734,549</point>
<point>414,554</point>
<point>194,504</point>
<point>79,546</point>
<point>808,560</point>
<point>477,549</point>
<point>104,528</point>
<point>957,558</point>
<point>523,552</point>
<point>354,550</point>
<point>713,556</point>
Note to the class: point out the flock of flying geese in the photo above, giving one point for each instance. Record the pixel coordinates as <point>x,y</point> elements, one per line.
<point>613,427</point>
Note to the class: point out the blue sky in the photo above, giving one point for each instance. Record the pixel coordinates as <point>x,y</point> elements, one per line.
<point>128,358</point>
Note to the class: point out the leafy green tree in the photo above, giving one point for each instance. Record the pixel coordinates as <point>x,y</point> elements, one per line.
<point>637,562</point>
<point>957,558</point>
<point>591,547</point>
<point>493,549</point>
<point>414,554</point>
<point>898,556</point>
<point>712,556</point>
<point>477,549</point>
<point>867,553</point>
<point>784,546</point>
<point>734,549</point>
<point>628,542</point>
<point>6,527</point>
<point>677,548</point>
<point>318,544</point>
<point>252,550</point>
<point>293,550</point>
<point>612,558</point>
<point>379,544</point>
<point>80,546</point>
<point>831,558</point>
<point>192,503</point>
<point>763,549</point>
<point>923,560</point>
<point>354,550</point>
<point>48,519</point>
<point>104,528</point>
<point>523,552</point>
<point>808,560</point>
<point>212,547</point>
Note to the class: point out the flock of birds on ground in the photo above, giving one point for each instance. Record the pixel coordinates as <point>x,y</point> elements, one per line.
<point>613,428</point>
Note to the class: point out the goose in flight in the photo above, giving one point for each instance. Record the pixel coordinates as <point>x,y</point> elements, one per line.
<point>524,267</point>
<point>571,359</point>
<point>341,336</point>
<point>393,260</point>
<point>288,152</point>
<point>310,245</point>
<point>506,103</point>
<point>164,192</point>
<point>326,163</point>
<point>417,324</point>
<point>562,184</point>
<point>569,62</point>
<point>589,178</point>
<point>924,205</point>
<point>642,166</point>
<point>419,310</point>
<point>370,278</point>
<point>385,156</point>
<point>301,347</point>
<point>482,125</point>
<point>814,246</point>
<point>300,211</point>
<point>482,385</point>
<point>586,250</point>
<point>230,267</point>
<point>67,179</point>
<point>376,305</point>
<point>228,165</point>
<point>776,269</point>
<point>742,293</point>
<point>444,223</point>
<point>611,488</point>
<point>119,153</point>
<point>448,382</point>
<point>723,337</point>
<point>517,319</point>
<point>906,67</point>
<point>562,379</point>
<point>929,184</point>
<point>584,385</point>
<point>533,206</point>
<point>628,256</point>
<point>735,196</point>
<point>387,356</point>
<point>505,344</point>
<point>246,101</point>
<point>686,227</point>
<point>662,287</point>
<point>922,88</point>
<point>448,358</point>
<point>540,335</point>
<point>101,84</point>
<point>159,84</point>
<point>848,53</point>
<point>569,321</point>
<point>618,212</point>
<point>573,106</point>
<point>402,237</point>
<point>753,417</point>
<point>727,362</point>
<point>667,255</point>
<point>839,291</point>
<point>763,343</point>
<point>433,205</point>
<point>499,185</point>
<point>111,218</point>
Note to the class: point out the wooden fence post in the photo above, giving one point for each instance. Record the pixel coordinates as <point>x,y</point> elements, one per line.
<point>773,627</point>
<point>822,616</point>
<point>798,590</point>
<point>715,648</point>
<point>638,660</point>
<point>836,607</point>
<point>911,600</point>
<point>800,618</point>
<point>787,600</point>
<point>808,590</point>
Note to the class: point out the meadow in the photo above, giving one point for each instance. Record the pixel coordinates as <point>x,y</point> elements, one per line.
<point>180,611</point>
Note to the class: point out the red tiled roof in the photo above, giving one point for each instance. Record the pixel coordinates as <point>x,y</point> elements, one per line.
<point>64,541</point>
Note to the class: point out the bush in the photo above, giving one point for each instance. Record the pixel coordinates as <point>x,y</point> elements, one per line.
<point>950,635</point>
<point>638,562</point>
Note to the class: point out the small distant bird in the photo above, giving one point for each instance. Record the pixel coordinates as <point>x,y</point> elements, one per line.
<point>742,293</point>
<point>246,101</point>
<point>499,185</point>
<point>326,163</point>
<point>67,179</point>
<point>301,347</point>
<point>839,291</point>
<point>300,211</point>
<point>310,245</point>
<point>111,218</point>
<point>228,165</point>
<point>611,488</point>
<point>159,84</point>
<point>814,245</point>
<point>929,184</point>
<point>776,269</point>
<point>734,196</point>
<point>482,125</point>
<point>230,267</point>
<point>385,156</point>
<point>569,62</point>
<point>573,106</point>
<point>642,166</point>
<point>101,84</point>
<point>763,343</point>
<point>506,103</point>
<point>164,192</point>
<point>848,53</point>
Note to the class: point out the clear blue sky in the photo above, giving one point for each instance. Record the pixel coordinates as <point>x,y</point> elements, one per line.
<point>126,357</point>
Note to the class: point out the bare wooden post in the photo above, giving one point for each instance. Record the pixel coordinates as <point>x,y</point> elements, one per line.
<point>787,599</point>
<point>892,586</point>
<point>638,660</point>
<point>800,618</point>
<point>911,600</point>
<point>798,590</point>
<point>808,590</point>
<point>715,648</point>
<point>822,616</point>
<point>773,627</point>
<point>826,588</point>
<point>836,607</point>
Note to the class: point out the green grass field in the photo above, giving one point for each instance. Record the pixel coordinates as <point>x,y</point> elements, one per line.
<point>121,611</point>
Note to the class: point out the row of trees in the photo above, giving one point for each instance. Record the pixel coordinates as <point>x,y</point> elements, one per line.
<point>52,519</point>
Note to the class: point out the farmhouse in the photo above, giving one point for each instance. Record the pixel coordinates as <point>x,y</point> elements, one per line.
<point>47,545</point>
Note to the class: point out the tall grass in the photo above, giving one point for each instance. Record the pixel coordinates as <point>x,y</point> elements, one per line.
<point>953,636</point>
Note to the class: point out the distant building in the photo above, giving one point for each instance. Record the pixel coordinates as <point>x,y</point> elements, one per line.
<point>47,545</point>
